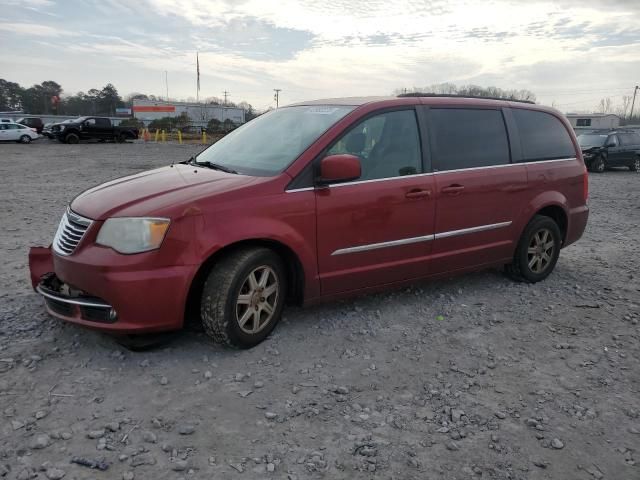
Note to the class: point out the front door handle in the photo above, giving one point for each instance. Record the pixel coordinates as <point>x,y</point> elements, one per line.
<point>453,189</point>
<point>418,194</point>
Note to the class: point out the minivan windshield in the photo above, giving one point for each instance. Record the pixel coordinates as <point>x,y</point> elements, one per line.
<point>266,145</point>
<point>588,141</point>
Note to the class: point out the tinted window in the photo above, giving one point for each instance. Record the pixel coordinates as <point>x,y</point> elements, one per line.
<point>388,145</point>
<point>469,138</point>
<point>613,141</point>
<point>13,126</point>
<point>543,136</point>
<point>90,121</point>
<point>103,122</point>
<point>629,138</point>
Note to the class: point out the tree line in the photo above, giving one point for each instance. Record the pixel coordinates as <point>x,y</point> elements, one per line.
<point>470,91</point>
<point>47,98</point>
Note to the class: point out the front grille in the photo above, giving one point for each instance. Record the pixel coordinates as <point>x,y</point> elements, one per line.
<point>70,231</point>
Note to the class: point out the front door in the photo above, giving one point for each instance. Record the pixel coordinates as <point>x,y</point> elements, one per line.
<point>478,188</point>
<point>377,230</point>
<point>616,155</point>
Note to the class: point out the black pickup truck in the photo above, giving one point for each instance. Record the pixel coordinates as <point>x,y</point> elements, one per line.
<point>610,148</point>
<point>92,128</point>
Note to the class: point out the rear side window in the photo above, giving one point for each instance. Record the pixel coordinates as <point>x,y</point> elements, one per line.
<point>542,136</point>
<point>469,138</point>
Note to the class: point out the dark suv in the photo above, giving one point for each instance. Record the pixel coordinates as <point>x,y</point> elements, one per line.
<point>32,122</point>
<point>617,148</point>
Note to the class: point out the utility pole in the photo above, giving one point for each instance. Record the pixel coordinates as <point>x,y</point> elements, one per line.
<point>633,104</point>
<point>166,82</point>
<point>225,96</point>
<point>276,97</point>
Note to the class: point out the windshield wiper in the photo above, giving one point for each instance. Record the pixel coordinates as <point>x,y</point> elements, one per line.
<point>216,166</point>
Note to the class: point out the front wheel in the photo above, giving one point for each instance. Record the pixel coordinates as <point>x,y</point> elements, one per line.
<point>25,139</point>
<point>243,297</point>
<point>635,166</point>
<point>537,251</point>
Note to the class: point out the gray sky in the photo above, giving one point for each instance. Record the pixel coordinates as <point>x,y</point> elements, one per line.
<point>570,52</point>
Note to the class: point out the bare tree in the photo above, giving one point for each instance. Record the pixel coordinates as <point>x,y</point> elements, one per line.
<point>605,105</point>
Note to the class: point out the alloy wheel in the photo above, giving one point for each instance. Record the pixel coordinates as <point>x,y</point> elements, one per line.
<point>540,251</point>
<point>257,300</point>
<point>636,165</point>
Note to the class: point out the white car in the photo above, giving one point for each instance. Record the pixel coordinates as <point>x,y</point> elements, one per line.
<point>15,132</point>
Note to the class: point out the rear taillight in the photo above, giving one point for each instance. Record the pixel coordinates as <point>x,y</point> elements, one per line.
<point>585,187</point>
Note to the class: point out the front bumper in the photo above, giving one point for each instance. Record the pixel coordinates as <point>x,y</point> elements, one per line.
<point>134,298</point>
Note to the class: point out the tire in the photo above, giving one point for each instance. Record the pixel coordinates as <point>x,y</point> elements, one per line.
<point>535,256</point>
<point>120,138</point>
<point>247,323</point>
<point>71,138</point>
<point>635,166</point>
<point>598,165</point>
<point>25,139</point>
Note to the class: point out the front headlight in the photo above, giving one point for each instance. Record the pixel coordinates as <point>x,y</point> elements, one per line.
<point>133,235</point>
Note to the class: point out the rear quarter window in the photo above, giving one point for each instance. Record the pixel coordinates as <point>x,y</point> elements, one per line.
<point>469,138</point>
<point>542,136</point>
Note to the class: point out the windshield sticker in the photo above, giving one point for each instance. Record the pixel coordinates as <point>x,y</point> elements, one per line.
<point>322,110</point>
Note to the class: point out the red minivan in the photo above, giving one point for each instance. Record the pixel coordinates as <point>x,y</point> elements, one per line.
<point>316,201</point>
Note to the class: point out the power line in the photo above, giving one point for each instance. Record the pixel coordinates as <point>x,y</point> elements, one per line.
<point>225,96</point>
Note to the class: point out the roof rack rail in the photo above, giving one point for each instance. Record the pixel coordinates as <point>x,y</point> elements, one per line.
<point>445,95</point>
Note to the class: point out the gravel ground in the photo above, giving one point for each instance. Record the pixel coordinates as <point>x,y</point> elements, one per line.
<point>473,377</point>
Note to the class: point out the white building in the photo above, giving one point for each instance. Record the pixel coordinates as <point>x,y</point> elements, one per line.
<point>594,120</point>
<point>199,113</point>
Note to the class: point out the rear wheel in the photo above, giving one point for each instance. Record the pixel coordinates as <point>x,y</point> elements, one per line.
<point>537,251</point>
<point>635,166</point>
<point>243,297</point>
<point>25,139</point>
<point>120,138</point>
<point>598,165</point>
<point>71,138</point>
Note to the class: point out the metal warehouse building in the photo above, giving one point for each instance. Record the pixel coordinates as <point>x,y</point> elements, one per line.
<point>593,120</point>
<point>199,113</point>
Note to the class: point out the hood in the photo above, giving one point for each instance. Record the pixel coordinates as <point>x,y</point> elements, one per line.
<point>149,192</point>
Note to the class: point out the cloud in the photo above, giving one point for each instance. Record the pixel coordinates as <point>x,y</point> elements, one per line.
<point>34,29</point>
<point>329,48</point>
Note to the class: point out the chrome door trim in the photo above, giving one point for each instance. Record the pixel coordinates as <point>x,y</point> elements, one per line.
<point>465,231</point>
<point>375,246</point>
<point>425,238</point>
<point>437,172</point>
<point>440,172</point>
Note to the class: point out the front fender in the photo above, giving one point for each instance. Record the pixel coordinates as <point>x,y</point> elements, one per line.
<point>213,238</point>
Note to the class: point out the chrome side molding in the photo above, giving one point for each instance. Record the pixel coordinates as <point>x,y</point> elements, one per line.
<point>425,238</point>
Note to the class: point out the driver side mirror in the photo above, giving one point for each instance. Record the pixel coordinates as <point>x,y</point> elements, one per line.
<point>339,168</point>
